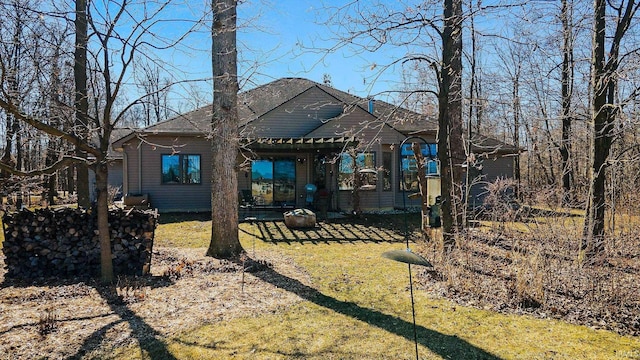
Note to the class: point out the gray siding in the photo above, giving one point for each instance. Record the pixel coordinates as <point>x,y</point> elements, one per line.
<point>169,197</point>
<point>297,117</point>
<point>492,169</point>
<point>361,124</point>
<point>115,178</point>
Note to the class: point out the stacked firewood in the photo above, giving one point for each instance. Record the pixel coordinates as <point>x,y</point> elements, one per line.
<point>64,242</point>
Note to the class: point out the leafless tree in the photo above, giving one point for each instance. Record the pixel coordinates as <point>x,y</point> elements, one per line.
<point>605,109</point>
<point>153,83</point>
<point>224,125</point>
<point>81,106</point>
<point>450,146</point>
<point>567,94</point>
<point>117,33</point>
<point>367,28</point>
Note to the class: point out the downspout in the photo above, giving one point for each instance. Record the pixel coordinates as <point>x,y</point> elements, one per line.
<point>378,177</point>
<point>125,173</point>
<point>140,169</point>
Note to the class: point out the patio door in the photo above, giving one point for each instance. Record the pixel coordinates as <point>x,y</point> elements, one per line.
<point>273,182</point>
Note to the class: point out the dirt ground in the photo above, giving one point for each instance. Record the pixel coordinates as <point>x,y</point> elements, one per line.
<point>72,319</point>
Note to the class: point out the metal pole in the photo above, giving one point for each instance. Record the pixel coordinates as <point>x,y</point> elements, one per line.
<point>406,236</point>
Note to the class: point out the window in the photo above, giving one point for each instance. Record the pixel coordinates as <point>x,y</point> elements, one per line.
<point>273,182</point>
<point>386,167</point>
<point>366,167</point>
<point>181,169</point>
<point>410,166</point>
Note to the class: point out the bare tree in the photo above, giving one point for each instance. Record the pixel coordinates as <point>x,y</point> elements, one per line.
<point>152,83</point>
<point>224,126</point>
<point>432,35</point>
<point>120,32</point>
<point>567,94</point>
<point>81,106</point>
<point>450,146</point>
<point>605,109</point>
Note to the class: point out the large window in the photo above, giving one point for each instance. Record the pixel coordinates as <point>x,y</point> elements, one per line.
<point>387,167</point>
<point>366,167</point>
<point>273,182</point>
<point>181,169</point>
<point>410,166</point>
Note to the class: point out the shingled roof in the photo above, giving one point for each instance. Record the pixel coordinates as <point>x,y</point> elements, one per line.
<point>258,101</point>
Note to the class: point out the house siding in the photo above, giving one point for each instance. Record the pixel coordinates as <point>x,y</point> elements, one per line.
<point>492,169</point>
<point>361,124</point>
<point>114,179</point>
<point>169,197</point>
<point>308,113</point>
<point>297,117</point>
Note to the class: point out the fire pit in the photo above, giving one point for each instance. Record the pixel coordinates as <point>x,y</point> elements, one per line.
<point>300,218</point>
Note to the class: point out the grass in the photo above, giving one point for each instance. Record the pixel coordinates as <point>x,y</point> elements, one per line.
<point>356,305</point>
<point>183,230</point>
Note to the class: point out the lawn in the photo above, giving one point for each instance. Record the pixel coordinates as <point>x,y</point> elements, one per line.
<point>323,293</point>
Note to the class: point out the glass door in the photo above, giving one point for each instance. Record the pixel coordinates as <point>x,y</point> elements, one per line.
<point>273,182</point>
<point>284,187</point>
<point>262,182</point>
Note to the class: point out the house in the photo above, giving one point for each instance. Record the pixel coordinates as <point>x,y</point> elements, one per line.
<point>116,171</point>
<point>294,132</point>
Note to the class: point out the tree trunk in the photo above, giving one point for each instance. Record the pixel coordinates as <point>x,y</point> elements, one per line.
<point>224,126</point>
<point>604,83</point>
<point>106,263</point>
<point>450,145</point>
<point>567,91</point>
<point>516,127</point>
<point>81,100</point>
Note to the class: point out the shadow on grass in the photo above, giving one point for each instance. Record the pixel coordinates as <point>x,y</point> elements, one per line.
<point>278,232</point>
<point>148,339</point>
<point>446,346</point>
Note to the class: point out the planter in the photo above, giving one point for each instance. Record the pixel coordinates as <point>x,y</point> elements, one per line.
<point>138,200</point>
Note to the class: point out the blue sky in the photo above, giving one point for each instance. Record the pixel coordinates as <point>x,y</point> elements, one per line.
<point>276,39</point>
<point>270,49</point>
<point>277,36</point>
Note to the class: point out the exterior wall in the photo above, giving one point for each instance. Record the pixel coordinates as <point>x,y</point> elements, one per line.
<point>297,117</point>
<point>116,174</point>
<point>144,173</point>
<point>115,179</point>
<point>197,197</point>
<point>492,169</point>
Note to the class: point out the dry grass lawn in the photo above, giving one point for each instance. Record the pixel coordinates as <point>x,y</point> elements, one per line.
<point>323,293</point>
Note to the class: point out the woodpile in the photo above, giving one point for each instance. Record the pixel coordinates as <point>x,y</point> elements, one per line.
<point>64,242</point>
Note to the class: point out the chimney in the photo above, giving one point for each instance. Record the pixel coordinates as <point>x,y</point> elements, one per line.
<point>371,105</point>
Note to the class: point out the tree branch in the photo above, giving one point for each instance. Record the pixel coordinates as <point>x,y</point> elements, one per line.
<point>65,162</point>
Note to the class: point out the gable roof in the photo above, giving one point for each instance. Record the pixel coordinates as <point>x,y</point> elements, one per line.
<point>257,103</point>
